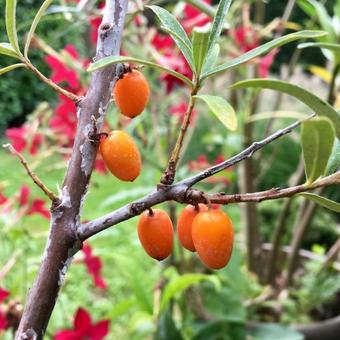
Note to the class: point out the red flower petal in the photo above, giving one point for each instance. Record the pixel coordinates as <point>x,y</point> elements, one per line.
<point>99,330</point>
<point>3,321</point>
<point>3,199</point>
<point>68,334</point>
<point>3,294</point>
<point>17,137</point>
<point>38,207</point>
<point>100,282</point>
<point>82,321</point>
<point>24,195</point>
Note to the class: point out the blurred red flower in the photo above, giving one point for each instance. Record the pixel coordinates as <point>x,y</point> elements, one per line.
<point>83,328</point>
<point>94,25</point>
<point>3,199</point>
<point>20,137</point>
<point>193,17</point>
<point>3,321</point>
<point>61,72</point>
<point>3,294</point>
<point>247,39</point>
<point>180,109</point>
<point>36,207</point>
<point>93,265</point>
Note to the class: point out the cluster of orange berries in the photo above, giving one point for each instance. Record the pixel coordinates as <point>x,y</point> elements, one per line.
<point>205,230</point>
<point>118,149</point>
<point>199,228</point>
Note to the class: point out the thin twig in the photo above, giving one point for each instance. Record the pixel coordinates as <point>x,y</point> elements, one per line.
<point>30,173</point>
<point>169,173</point>
<point>50,83</point>
<point>331,255</point>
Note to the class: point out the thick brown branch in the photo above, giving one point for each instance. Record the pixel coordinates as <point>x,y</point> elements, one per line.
<point>30,173</point>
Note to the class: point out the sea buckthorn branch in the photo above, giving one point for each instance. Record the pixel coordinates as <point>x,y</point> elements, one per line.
<point>181,191</point>
<point>63,241</point>
<point>31,174</point>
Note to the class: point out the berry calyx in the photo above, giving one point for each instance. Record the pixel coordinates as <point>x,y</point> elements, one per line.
<point>121,155</point>
<point>184,225</point>
<point>131,93</point>
<point>213,237</point>
<point>156,233</point>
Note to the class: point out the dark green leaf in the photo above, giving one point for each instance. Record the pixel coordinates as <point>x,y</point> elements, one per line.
<point>317,105</point>
<point>324,202</point>
<point>11,24</point>
<point>166,328</point>
<point>221,109</point>
<point>121,59</point>
<point>35,23</point>
<point>200,38</point>
<point>7,49</point>
<point>174,28</point>
<point>10,68</point>
<point>265,48</point>
<point>217,25</point>
<point>317,138</point>
<point>328,46</point>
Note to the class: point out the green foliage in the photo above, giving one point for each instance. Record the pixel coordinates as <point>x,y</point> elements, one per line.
<point>317,138</point>
<point>200,38</point>
<point>324,202</point>
<point>221,109</point>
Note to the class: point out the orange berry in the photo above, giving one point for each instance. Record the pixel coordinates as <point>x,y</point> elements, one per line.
<point>131,93</point>
<point>156,233</point>
<point>184,225</point>
<point>121,155</point>
<point>213,235</point>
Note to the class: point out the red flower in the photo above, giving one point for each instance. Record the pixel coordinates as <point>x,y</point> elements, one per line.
<point>94,25</point>
<point>94,266</point>
<point>3,294</point>
<point>194,18</point>
<point>3,199</point>
<point>83,328</point>
<point>247,39</point>
<point>64,121</point>
<point>19,136</point>
<point>162,42</point>
<point>100,167</point>
<point>61,72</point>
<point>36,207</point>
<point>180,110</point>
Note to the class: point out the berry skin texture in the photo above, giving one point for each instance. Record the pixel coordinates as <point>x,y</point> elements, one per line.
<point>184,225</point>
<point>131,93</point>
<point>156,233</point>
<point>213,235</point>
<point>121,155</point>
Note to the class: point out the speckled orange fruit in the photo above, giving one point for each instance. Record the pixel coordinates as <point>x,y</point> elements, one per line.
<point>121,155</point>
<point>131,93</point>
<point>213,236</point>
<point>156,233</point>
<point>184,225</point>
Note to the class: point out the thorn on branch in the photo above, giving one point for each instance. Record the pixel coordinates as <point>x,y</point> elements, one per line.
<point>31,174</point>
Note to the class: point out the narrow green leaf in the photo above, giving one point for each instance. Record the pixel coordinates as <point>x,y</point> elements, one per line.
<point>328,46</point>
<point>317,138</point>
<point>265,48</point>
<point>317,105</point>
<point>121,59</point>
<point>334,160</point>
<point>324,202</point>
<point>200,38</point>
<point>35,23</point>
<point>174,28</point>
<point>221,109</point>
<point>324,19</point>
<point>10,68</point>
<point>217,25</point>
<point>7,49</point>
<point>211,59</point>
<point>181,283</point>
<point>11,24</point>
